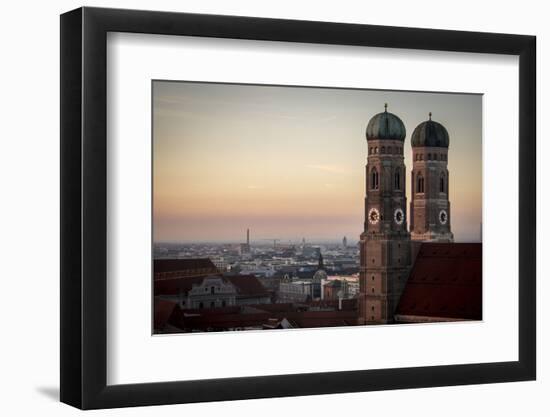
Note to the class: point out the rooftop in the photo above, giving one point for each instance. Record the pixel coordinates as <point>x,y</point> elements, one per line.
<point>445,282</point>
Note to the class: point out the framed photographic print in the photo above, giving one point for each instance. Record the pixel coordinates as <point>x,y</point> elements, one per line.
<point>257,208</point>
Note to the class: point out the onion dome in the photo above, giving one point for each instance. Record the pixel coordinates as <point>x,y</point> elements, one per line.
<point>386,125</point>
<point>430,134</point>
<point>319,275</point>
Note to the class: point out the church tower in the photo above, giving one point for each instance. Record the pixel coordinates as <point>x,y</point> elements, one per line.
<point>430,206</point>
<point>318,278</point>
<point>385,241</point>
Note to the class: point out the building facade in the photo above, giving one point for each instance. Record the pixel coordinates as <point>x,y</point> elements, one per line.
<point>298,291</point>
<point>211,292</point>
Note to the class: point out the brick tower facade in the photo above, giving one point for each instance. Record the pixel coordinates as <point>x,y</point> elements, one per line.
<point>385,241</point>
<point>430,206</point>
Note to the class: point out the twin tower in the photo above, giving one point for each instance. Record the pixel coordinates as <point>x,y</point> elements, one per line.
<point>386,242</point>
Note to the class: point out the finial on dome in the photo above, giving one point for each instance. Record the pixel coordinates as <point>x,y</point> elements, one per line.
<point>430,114</point>
<point>386,107</point>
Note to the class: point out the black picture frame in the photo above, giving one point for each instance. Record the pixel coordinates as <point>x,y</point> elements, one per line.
<point>84,207</point>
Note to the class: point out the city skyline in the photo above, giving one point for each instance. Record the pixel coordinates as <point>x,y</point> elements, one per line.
<point>265,241</point>
<point>288,162</point>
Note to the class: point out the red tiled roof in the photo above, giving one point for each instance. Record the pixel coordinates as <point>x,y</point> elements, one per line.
<point>177,285</point>
<point>198,266</point>
<point>163,311</point>
<point>347,303</point>
<point>206,320</point>
<point>246,285</point>
<point>445,282</point>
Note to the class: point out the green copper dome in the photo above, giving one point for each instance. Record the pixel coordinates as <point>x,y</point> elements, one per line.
<point>386,126</point>
<point>430,134</point>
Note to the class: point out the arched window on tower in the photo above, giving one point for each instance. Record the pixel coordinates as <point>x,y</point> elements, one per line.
<point>397,180</point>
<point>419,183</point>
<point>442,183</point>
<point>374,179</point>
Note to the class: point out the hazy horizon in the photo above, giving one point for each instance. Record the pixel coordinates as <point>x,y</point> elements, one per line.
<point>289,162</point>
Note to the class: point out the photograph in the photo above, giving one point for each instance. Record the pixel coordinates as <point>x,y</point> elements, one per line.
<point>292,207</point>
<point>266,205</point>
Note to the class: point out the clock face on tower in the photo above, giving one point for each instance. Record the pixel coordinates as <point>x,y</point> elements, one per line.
<point>443,217</point>
<point>374,216</point>
<point>398,216</point>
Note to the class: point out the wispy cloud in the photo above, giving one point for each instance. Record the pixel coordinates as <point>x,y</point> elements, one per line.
<point>334,169</point>
<point>255,187</point>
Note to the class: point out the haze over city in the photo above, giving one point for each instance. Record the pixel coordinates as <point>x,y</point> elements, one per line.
<point>290,162</point>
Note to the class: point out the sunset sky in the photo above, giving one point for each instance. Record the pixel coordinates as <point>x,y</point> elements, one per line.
<point>289,162</point>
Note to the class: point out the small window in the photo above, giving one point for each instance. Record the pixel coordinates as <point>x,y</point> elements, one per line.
<point>435,156</point>
<point>429,157</point>
<point>372,308</point>
<point>372,289</point>
<point>223,303</point>
<point>212,304</point>
<point>212,290</point>
<point>376,149</point>
<point>374,179</point>
<point>397,180</point>
<point>383,149</point>
<point>419,183</point>
<point>442,183</point>
<point>370,151</point>
<point>201,305</point>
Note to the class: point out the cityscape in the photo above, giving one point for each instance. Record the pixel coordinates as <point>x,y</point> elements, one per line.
<point>317,276</point>
<point>401,258</point>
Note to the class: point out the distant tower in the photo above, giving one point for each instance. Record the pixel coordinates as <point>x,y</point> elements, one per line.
<point>345,242</point>
<point>321,264</point>
<point>430,206</point>
<point>248,237</point>
<point>319,276</point>
<point>385,241</point>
